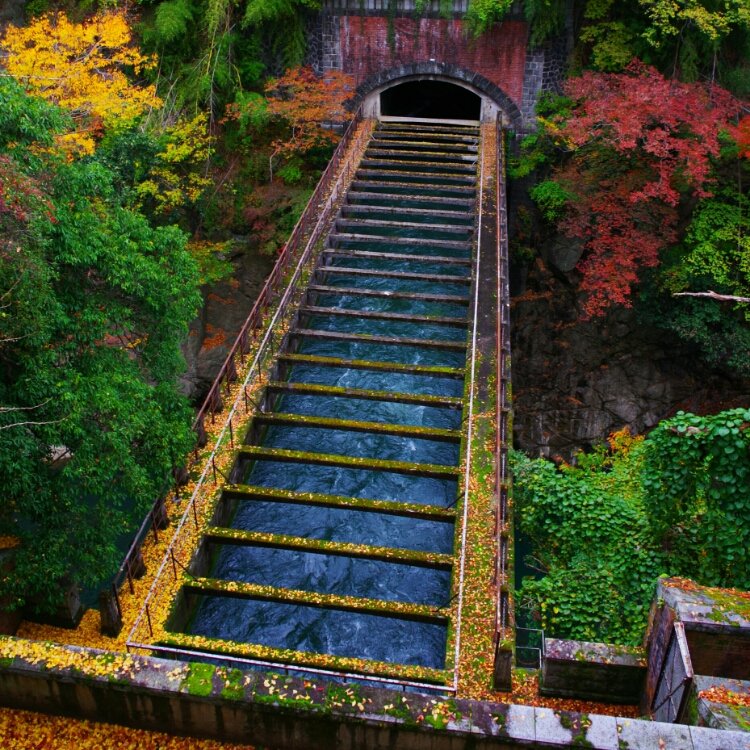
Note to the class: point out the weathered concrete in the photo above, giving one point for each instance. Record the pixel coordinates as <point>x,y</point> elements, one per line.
<point>693,631</point>
<point>282,712</point>
<point>592,671</point>
<point>713,703</point>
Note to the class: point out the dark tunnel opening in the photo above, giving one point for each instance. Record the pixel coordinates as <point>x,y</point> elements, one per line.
<point>433,99</point>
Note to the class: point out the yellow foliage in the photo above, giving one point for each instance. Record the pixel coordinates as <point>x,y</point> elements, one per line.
<point>21,730</point>
<point>178,178</point>
<point>80,68</point>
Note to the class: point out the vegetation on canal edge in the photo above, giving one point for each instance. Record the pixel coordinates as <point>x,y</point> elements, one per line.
<point>304,658</point>
<point>672,503</point>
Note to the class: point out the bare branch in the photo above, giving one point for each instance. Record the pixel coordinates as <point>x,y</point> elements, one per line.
<point>4,409</point>
<point>713,295</point>
<point>23,424</point>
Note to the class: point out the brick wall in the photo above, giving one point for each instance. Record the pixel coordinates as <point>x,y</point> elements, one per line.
<point>499,55</point>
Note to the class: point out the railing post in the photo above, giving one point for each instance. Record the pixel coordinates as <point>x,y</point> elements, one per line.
<point>148,618</point>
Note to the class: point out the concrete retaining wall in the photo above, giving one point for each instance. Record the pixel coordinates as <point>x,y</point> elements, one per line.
<point>592,671</point>
<point>284,712</point>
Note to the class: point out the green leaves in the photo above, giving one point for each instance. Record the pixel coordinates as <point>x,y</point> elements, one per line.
<point>172,19</point>
<point>484,14</point>
<point>98,303</point>
<point>677,501</point>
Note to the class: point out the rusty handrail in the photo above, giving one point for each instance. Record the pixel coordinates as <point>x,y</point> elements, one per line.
<point>228,370</point>
<point>316,218</point>
<point>503,399</point>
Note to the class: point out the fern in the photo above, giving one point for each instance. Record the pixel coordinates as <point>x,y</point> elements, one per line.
<point>216,14</point>
<point>547,17</point>
<point>484,14</point>
<point>172,20</point>
<point>284,23</point>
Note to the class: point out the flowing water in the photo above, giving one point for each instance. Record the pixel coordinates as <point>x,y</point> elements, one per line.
<point>393,212</point>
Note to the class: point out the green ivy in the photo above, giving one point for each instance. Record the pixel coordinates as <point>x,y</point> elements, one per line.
<point>674,503</point>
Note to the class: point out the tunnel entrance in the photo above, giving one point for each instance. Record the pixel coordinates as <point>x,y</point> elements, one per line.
<point>430,99</point>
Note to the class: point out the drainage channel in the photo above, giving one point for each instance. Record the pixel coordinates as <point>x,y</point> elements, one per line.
<point>338,535</point>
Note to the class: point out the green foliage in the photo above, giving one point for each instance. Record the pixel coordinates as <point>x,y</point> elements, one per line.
<point>290,173</point>
<point>484,14</point>
<point>172,20</point>
<point>673,503</point>
<point>591,537</point>
<point>696,480</point>
<point>91,420</point>
<point>714,254</point>
<point>283,22</point>
<point>546,17</point>
<point>552,198</point>
<point>612,44</point>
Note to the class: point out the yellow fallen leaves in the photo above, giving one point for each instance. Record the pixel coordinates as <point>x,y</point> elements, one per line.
<point>22,730</point>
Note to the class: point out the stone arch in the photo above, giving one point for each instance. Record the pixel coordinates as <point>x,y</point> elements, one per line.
<point>488,91</point>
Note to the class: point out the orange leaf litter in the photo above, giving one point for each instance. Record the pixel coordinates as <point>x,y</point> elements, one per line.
<point>24,730</point>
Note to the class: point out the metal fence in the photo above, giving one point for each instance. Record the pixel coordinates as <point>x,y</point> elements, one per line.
<point>530,647</point>
<point>296,251</point>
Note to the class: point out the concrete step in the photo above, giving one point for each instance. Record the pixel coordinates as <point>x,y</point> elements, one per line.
<point>420,203</point>
<point>346,291</point>
<point>413,167</point>
<point>429,139</point>
<point>429,128</point>
<point>456,218</point>
<point>416,177</point>
<point>221,535</point>
<point>448,157</point>
<point>303,598</point>
<point>447,147</point>
<point>404,191</point>
<point>386,507</point>
<point>457,322</point>
<point>369,338</point>
<point>386,225</point>
<point>335,391</point>
<point>410,241</point>
<point>284,419</point>
<point>404,368</point>
<point>435,259</point>
<point>434,471</point>
<point>437,278</point>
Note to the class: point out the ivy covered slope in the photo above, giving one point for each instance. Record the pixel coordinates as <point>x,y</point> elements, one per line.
<point>673,503</point>
<point>95,302</point>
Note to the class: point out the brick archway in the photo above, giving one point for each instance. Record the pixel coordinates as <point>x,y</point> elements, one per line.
<point>443,72</point>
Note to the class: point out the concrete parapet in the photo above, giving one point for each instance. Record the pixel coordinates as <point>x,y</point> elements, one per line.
<point>592,671</point>
<point>284,712</point>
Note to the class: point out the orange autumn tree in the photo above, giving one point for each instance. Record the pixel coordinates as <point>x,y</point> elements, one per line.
<point>82,68</point>
<point>305,102</point>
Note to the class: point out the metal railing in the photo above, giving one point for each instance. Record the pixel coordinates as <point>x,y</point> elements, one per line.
<point>297,249</point>
<point>503,400</point>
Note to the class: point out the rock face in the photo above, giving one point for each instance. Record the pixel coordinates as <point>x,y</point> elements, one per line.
<point>226,305</point>
<point>575,382</point>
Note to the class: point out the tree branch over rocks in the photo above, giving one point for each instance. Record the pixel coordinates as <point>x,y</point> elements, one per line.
<point>713,295</point>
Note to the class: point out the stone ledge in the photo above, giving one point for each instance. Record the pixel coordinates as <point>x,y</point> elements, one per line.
<point>284,712</point>
<point>592,671</point>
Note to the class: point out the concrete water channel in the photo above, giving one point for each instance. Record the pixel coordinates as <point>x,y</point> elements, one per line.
<point>338,535</point>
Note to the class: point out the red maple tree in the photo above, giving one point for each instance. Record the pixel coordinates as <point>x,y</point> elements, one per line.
<point>640,144</point>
